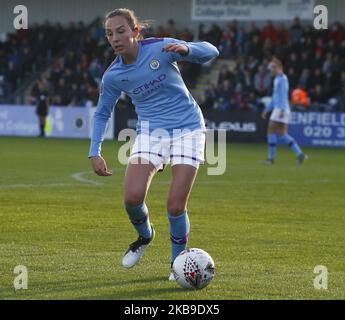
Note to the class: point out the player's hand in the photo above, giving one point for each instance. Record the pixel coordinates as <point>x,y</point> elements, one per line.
<point>99,166</point>
<point>264,115</point>
<point>176,47</point>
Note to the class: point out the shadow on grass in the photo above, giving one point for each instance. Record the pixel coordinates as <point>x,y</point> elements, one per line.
<point>69,288</point>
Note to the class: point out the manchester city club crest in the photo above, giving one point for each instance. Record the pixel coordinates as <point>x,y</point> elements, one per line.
<point>154,64</point>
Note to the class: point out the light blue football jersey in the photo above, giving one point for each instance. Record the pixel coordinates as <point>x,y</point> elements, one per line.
<point>280,97</point>
<point>155,86</point>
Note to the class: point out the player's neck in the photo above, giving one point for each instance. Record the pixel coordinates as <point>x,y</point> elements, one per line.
<point>131,56</point>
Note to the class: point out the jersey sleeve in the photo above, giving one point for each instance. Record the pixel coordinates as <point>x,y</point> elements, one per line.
<point>108,97</point>
<point>278,100</point>
<point>281,92</point>
<point>198,52</point>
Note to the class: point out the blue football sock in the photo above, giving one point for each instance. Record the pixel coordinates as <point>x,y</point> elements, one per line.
<point>272,145</point>
<point>179,231</point>
<point>139,216</point>
<point>291,143</point>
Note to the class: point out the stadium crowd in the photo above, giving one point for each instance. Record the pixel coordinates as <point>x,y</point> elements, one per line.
<point>314,63</point>
<point>74,78</point>
<point>27,52</point>
<point>78,55</point>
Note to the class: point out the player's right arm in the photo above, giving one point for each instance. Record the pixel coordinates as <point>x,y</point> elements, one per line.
<point>268,108</point>
<point>273,102</point>
<point>108,97</point>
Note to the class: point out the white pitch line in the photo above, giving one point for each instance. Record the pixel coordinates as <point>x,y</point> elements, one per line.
<point>30,185</point>
<point>79,177</point>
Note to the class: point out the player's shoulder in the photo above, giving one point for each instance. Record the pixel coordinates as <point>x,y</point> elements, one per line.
<point>281,78</point>
<point>285,78</point>
<point>151,41</point>
<point>108,73</point>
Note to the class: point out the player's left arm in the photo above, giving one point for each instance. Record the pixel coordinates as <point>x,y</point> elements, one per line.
<point>197,52</point>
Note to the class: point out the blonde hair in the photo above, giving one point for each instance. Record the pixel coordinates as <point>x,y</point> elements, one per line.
<point>277,62</point>
<point>131,18</point>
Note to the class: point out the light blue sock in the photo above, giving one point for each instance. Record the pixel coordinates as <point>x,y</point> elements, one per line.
<point>272,145</point>
<point>179,231</point>
<point>139,216</point>
<point>291,143</point>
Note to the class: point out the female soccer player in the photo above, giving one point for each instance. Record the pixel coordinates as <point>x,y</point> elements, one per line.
<point>279,120</point>
<point>147,71</point>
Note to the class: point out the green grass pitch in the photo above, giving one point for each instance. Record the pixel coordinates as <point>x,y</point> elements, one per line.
<point>265,227</point>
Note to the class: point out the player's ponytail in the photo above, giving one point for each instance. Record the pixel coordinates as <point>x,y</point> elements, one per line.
<point>131,18</point>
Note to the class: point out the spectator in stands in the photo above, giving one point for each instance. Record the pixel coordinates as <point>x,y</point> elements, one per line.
<point>317,78</point>
<point>306,60</point>
<point>254,30</point>
<point>282,35</point>
<point>241,40</point>
<point>226,43</point>
<point>171,29</point>
<point>294,63</point>
<point>305,79</point>
<point>269,32</point>
<point>214,35</point>
<point>61,91</point>
<point>225,74</point>
<point>295,31</point>
<point>340,100</point>
<point>268,48</point>
<point>11,77</point>
<point>318,99</point>
<point>328,65</point>
<point>161,33</point>
<point>225,90</point>
<point>293,78</point>
<point>337,33</point>
<point>210,97</point>
<point>96,69</point>
<point>252,65</point>
<point>255,47</point>
<point>186,35</point>
<point>331,84</point>
<point>317,61</point>
<point>262,82</point>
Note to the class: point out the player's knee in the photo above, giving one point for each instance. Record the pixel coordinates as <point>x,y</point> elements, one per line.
<point>176,207</point>
<point>134,198</point>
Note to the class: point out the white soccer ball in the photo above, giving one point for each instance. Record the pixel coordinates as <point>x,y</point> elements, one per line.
<point>193,268</point>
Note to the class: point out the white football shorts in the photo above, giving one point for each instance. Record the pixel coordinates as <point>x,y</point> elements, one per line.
<point>276,116</point>
<point>187,149</point>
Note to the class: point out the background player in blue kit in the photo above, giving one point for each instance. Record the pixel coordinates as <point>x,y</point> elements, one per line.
<point>278,125</point>
<point>147,71</point>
